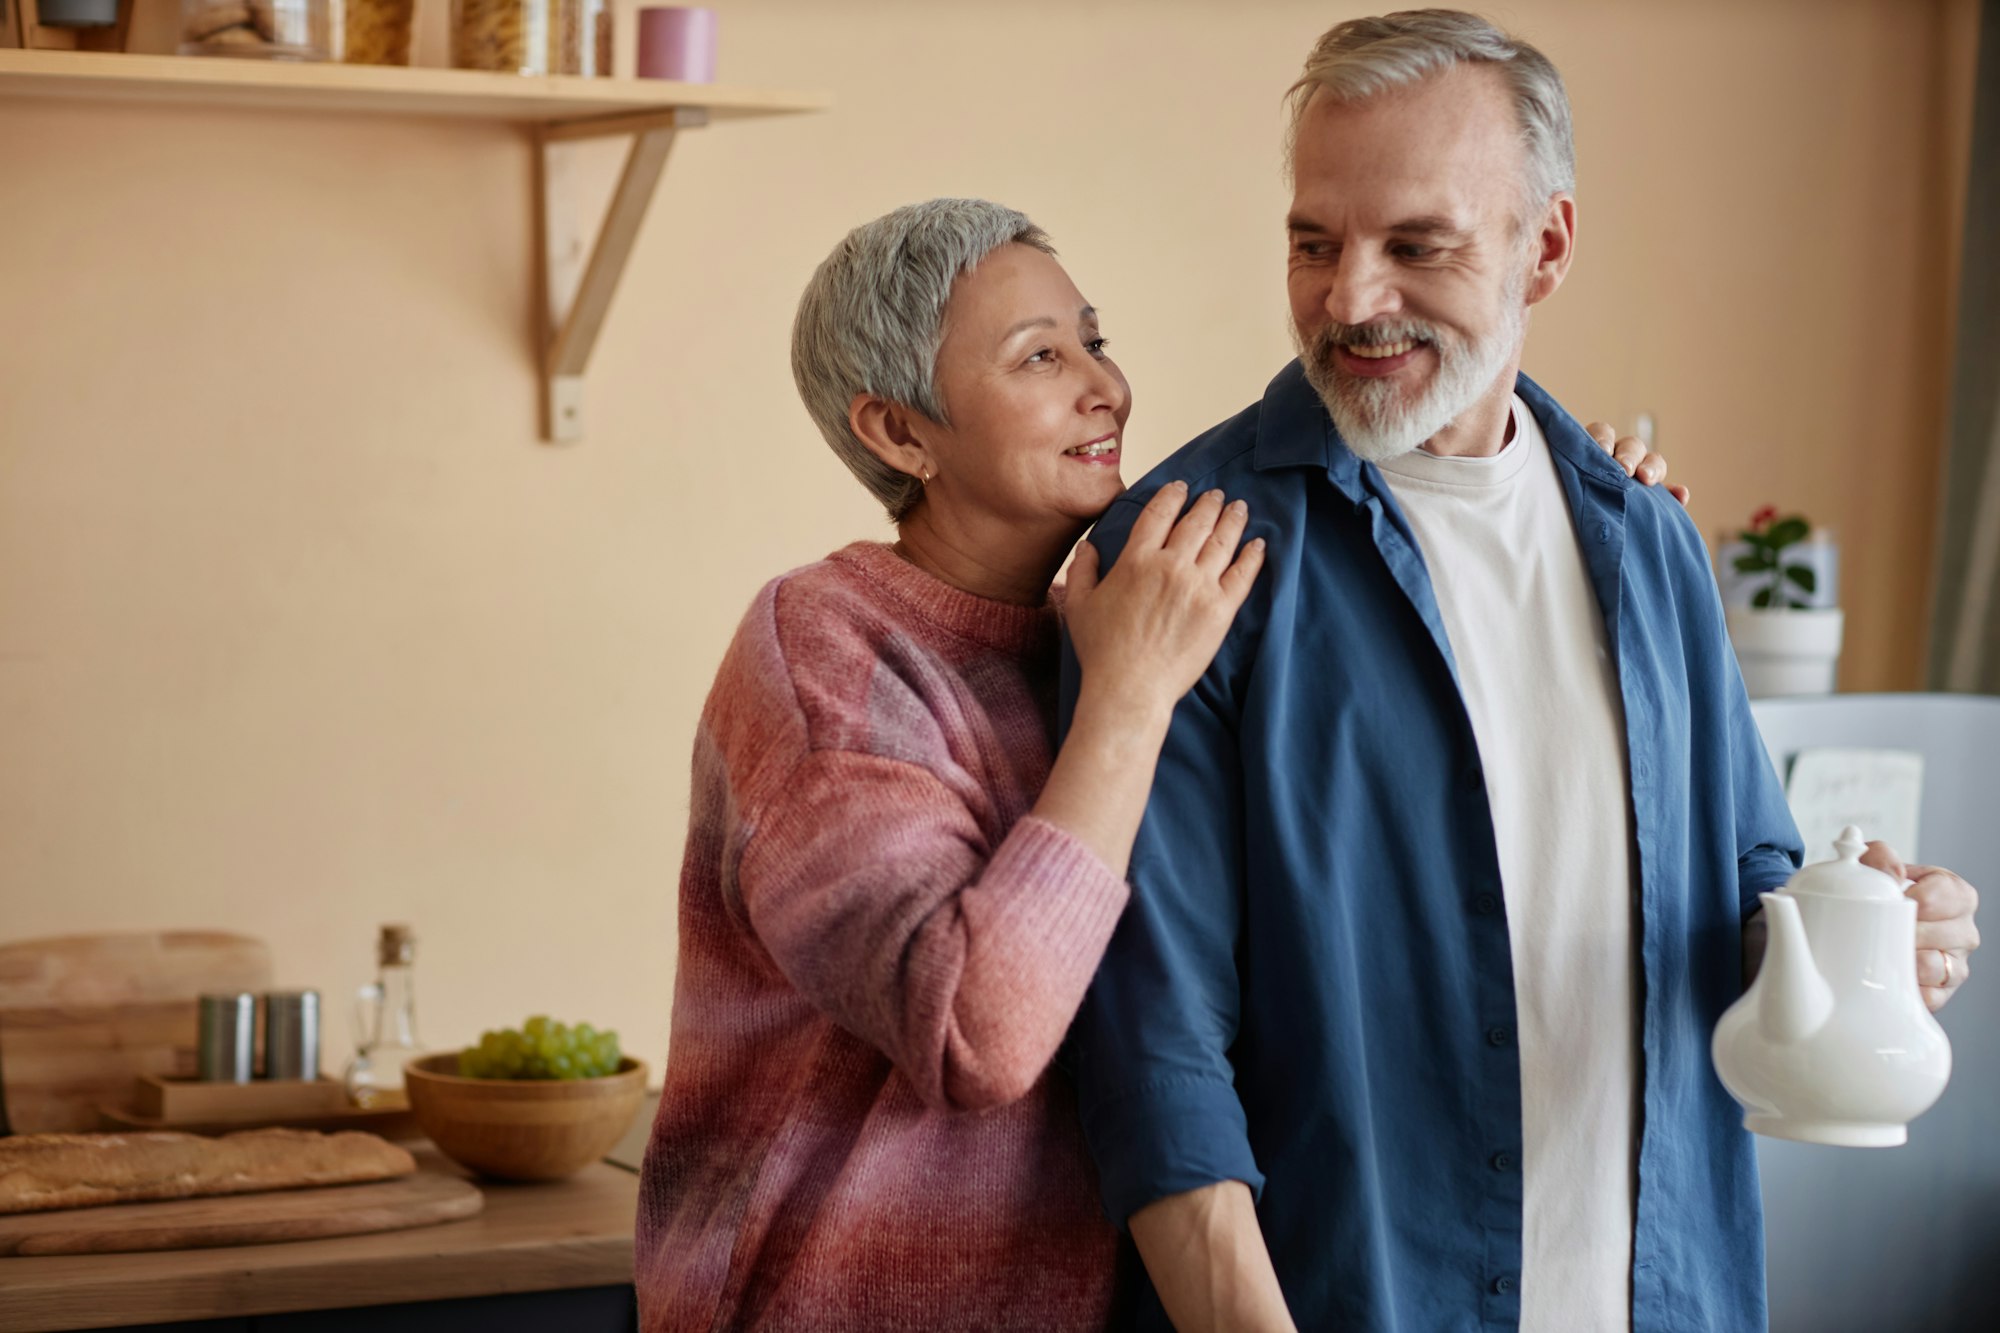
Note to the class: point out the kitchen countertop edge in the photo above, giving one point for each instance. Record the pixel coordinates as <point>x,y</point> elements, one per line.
<point>546,1237</point>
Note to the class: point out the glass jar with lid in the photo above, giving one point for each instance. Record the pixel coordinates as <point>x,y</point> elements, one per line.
<point>259,29</point>
<point>532,36</point>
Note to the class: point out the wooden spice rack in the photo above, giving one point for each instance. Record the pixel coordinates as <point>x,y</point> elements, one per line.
<point>574,282</point>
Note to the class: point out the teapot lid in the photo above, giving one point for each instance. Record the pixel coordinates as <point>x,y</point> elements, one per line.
<point>1845,876</point>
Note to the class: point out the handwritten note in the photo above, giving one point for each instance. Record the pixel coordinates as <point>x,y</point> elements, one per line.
<point>1879,791</point>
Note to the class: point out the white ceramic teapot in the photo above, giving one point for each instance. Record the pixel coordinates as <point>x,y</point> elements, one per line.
<point>1832,1042</point>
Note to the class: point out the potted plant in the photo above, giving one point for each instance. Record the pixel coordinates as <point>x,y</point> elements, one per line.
<point>1786,640</point>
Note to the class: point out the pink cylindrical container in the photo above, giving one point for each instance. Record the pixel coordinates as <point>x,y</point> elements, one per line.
<point>677,43</point>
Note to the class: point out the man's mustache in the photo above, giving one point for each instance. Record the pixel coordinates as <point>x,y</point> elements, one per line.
<point>1375,333</point>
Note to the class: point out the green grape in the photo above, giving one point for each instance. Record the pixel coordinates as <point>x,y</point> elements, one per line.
<point>542,1049</point>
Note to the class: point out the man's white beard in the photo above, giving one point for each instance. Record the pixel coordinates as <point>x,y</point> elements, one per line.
<point>1374,418</point>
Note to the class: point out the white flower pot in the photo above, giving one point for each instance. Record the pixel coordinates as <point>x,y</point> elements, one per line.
<point>1786,651</point>
<point>1819,553</point>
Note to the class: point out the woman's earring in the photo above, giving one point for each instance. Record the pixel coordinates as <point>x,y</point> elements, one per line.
<point>924,478</point>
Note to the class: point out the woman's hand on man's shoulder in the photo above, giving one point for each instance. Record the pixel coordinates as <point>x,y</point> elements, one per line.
<point>1146,631</point>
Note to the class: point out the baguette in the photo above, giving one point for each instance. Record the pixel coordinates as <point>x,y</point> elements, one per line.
<point>39,1172</point>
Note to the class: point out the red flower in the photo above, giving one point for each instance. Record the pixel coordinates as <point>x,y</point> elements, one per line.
<point>1762,518</point>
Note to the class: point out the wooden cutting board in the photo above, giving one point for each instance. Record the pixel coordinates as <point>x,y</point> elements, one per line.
<point>395,1122</point>
<point>83,1015</point>
<point>244,1219</point>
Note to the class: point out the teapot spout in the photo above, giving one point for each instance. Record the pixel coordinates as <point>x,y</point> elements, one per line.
<point>1793,998</point>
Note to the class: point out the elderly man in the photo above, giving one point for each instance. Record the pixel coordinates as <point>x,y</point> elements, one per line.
<point>1446,873</point>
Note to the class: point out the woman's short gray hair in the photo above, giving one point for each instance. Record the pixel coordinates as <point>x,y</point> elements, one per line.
<point>872,319</point>
<point>1364,58</point>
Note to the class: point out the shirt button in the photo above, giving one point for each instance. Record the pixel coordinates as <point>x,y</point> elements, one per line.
<point>1503,1285</point>
<point>1603,532</point>
<point>1499,1036</point>
<point>1486,904</point>
<point>1503,1161</point>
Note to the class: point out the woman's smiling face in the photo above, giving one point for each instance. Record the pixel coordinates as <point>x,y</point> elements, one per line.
<point>1037,409</point>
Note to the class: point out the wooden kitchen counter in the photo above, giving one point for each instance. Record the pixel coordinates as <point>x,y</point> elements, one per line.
<point>540,1237</point>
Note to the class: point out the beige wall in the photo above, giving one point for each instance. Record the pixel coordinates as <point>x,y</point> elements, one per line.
<point>301,630</point>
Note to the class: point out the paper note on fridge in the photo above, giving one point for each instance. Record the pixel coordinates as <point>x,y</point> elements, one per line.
<point>1877,790</point>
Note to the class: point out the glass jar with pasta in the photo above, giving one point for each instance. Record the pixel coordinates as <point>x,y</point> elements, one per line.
<point>376,32</point>
<point>511,36</point>
<point>532,36</point>
<point>580,38</point>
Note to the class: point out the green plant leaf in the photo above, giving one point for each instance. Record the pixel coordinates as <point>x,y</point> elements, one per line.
<point>1751,564</point>
<point>1804,576</point>
<point>1787,531</point>
<point>1762,599</point>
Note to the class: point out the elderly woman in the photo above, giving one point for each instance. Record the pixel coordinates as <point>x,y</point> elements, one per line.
<point>894,894</point>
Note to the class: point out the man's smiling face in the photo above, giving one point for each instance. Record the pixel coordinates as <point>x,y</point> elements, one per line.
<point>1412,258</point>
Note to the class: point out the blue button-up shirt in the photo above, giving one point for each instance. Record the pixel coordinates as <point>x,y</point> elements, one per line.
<point>1312,990</point>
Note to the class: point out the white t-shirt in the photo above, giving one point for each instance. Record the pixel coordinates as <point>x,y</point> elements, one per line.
<point>1541,687</point>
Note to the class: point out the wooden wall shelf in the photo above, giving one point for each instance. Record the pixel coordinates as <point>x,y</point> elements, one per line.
<point>573,283</point>
<point>366,89</point>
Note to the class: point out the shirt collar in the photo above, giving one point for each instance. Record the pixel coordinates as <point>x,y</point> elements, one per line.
<point>1294,430</point>
<point>1570,441</point>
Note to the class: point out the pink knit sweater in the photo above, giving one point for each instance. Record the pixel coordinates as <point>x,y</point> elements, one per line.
<point>879,953</point>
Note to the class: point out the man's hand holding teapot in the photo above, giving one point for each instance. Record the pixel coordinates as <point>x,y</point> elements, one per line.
<point>1946,932</point>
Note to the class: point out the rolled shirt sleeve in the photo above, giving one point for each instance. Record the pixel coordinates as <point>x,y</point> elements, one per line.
<point>1150,1045</point>
<point>1767,841</point>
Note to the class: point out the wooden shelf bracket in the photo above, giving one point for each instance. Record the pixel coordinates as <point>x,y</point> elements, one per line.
<point>574,286</point>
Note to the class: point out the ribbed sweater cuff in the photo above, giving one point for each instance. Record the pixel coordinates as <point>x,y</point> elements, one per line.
<point>1069,900</point>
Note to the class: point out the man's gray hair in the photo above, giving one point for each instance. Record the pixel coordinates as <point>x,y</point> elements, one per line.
<point>1364,58</point>
<point>873,317</point>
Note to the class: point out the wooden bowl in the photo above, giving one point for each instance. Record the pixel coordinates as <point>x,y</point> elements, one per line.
<point>523,1129</point>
